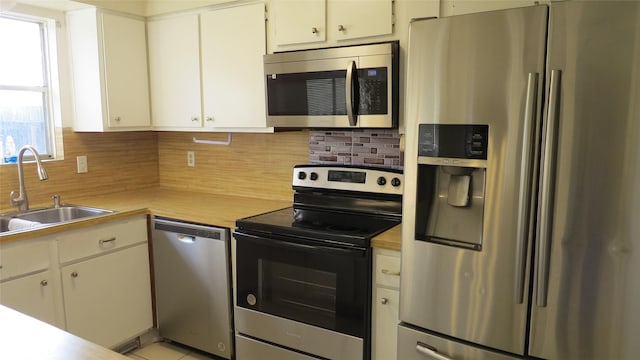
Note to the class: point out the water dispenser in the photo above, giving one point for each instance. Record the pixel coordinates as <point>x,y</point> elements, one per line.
<point>452,167</point>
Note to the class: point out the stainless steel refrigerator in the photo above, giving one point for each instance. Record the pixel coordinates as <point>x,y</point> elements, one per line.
<point>521,223</point>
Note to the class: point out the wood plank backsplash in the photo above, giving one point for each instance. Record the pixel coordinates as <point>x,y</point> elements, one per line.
<point>116,161</point>
<point>253,165</point>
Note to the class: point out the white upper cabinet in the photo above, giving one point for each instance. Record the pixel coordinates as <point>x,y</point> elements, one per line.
<point>206,70</point>
<point>297,22</point>
<point>232,46</point>
<point>109,70</point>
<point>174,68</point>
<point>352,19</point>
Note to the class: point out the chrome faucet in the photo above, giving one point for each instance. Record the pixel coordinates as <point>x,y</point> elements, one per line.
<point>21,200</point>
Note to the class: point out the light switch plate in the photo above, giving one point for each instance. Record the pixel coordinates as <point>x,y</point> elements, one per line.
<point>83,167</point>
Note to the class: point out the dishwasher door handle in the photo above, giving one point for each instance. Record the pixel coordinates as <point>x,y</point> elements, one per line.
<point>188,232</point>
<point>188,239</point>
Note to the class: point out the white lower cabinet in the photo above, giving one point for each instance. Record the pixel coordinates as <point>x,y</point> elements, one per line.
<point>106,282</point>
<point>33,295</point>
<point>107,298</point>
<point>93,282</point>
<point>27,280</point>
<point>385,307</point>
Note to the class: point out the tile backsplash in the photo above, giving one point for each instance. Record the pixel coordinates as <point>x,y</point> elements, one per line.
<point>379,148</point>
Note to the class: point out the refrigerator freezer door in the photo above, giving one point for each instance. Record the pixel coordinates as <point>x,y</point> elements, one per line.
<point>591,230</point>
<point>478,69</point>
<point>417,345</point>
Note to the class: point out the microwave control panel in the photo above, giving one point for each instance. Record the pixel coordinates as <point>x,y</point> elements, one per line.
<point>373,85</point>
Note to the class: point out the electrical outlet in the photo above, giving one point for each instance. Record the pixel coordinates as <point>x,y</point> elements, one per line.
<point>191,159</point>
<point>83,167</point>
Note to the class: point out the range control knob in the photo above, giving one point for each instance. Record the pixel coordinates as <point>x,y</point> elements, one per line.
<point>314,176</point>
<point>302,175</point>
<point>395,182</point>
<point>382,181</point>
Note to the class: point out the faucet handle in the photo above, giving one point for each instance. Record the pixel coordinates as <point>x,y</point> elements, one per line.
<point>56,201</point>
<point>15,199</point>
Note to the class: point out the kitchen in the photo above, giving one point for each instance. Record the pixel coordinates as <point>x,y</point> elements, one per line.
<point>112,164</point>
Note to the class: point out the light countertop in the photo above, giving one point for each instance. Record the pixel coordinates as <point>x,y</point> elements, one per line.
<point>23,337</point>
<point>211,209</point>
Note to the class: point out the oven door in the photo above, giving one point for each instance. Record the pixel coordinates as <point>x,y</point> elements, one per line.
<point>305,281</point>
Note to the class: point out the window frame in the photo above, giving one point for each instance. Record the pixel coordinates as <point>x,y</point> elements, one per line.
<point>49,22</point>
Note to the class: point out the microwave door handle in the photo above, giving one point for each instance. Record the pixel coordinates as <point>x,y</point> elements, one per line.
<point>351,115</point>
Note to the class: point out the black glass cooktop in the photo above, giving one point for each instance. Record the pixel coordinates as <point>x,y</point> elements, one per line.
<point>322,225</point>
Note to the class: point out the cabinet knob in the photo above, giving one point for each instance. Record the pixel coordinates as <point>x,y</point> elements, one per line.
<point>341,28</point>
<point>384,301</point>
<point>117,119</point>
<point>74,274</point>
<point>314,31</point>
<point>44,283</point>
<point>209,118</point>
<point>194,119</point>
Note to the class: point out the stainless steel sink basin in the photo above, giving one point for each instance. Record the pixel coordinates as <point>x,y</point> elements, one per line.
<point>51,216</point>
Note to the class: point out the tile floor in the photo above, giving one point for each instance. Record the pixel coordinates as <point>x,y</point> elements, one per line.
<point>167,351</point>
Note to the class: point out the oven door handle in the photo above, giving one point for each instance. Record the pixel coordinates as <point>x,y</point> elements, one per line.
<point>301,246</point>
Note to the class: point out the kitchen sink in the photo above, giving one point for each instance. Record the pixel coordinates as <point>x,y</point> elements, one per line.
<point>50,216</point>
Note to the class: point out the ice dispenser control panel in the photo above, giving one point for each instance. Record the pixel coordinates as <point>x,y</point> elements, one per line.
<point>453,141</point>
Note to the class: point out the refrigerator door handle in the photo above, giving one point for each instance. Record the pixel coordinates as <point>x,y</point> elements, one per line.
<point>546,191</point>
<point>524,199</point>
<point>431,353</point>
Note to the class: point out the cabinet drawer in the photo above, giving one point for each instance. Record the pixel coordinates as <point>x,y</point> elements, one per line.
<point>23,257</point>
<point>102,238</point>
<point>387,270</point>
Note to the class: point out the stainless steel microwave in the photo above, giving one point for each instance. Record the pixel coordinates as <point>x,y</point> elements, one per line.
<point>343,87</point>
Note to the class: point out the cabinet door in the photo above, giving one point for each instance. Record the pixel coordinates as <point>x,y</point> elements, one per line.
<point>125,71</point>
<point>298,21</point>
<point>108,299</point>
<point>174,68</point>
<point>232,45</point>
<point>33,295</point>
<point>352,19</point>
<point>386,323</point>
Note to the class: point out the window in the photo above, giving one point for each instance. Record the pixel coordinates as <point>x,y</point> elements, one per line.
<point>28,87</point>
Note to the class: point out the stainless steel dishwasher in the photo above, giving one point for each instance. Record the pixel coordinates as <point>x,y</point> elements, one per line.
<point>192,285</point>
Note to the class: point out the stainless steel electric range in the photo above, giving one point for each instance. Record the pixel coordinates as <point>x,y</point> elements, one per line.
<point>304,272</point>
